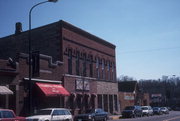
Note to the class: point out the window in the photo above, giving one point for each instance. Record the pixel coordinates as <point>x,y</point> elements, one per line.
<point>103,72</point>
<point>100,105</point>
<point>113,71</point>
<point>84,64</point>
<point>108,70</point>
<point>7,114</point>
<point>67,112</point>
<point>70,61</point>
<point>115,103</point>
<point>77,63</point>
<point>78,101</point>
<point>97,67</point>
<point>91,66</point>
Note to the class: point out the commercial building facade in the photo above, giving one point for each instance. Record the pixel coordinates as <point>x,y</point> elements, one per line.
<point>130,94</point>
<point>86,69</point>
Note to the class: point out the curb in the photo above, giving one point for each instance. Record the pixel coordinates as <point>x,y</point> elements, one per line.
<point>115,117</point>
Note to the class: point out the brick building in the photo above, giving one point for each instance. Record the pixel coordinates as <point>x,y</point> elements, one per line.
<point>130,94</point>
<point>88,65</point>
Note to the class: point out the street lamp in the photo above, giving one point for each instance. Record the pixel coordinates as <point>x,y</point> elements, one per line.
<point>30,53</point>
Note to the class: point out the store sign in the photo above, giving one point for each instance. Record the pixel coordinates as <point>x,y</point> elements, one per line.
<point>82,84</point>
<point>128,96</point>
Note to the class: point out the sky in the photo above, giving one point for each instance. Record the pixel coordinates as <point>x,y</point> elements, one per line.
<point>146,32</point>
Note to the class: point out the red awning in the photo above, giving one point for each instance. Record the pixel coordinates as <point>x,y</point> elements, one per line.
<point>53,89</point>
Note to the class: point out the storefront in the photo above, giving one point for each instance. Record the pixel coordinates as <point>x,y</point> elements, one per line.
<point>48,94</point>
<point>4,96</point>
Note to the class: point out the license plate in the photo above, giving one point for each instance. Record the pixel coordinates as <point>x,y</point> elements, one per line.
<point>79,119</point>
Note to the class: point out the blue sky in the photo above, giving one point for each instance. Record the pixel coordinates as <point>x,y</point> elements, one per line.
<point>146,32</point>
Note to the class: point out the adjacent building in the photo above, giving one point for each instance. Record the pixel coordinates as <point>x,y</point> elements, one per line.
<point>83,64</point>
<point>130,94</point>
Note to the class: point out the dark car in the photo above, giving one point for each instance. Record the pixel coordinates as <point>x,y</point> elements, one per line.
<point>132,111</point>
<point>157,110</point>
<point>92,115</point>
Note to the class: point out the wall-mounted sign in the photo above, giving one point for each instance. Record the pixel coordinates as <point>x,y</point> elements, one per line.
<point>128,96</point>
<point>82,84</point>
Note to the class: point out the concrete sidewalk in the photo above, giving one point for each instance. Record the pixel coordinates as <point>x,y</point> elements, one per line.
<point>114,117</point>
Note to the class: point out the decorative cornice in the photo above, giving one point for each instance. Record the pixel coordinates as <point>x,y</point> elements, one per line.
<point>43,57</point>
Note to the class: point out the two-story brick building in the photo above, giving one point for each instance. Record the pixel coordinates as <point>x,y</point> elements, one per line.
<point>88,64</point>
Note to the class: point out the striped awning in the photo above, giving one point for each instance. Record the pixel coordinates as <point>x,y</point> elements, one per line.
<point>5,91</point>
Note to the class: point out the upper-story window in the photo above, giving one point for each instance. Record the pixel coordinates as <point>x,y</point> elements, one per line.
<point>77,63</point>
<point>103,69</point>
<point>108,70</point>
<point>91,66</point>
<point>84,64</point>
<point>97,67</point>
<point>70,61</point>
<point>113,71</point>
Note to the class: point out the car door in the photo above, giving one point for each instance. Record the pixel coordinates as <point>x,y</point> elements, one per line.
<point>67,115</point>
<point>98,114</point>
<point>58,115</point>
<point>7,116</point>
<point>55,115</point>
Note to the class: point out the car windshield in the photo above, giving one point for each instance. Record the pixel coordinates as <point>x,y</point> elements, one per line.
<point>129,108</point>
<point>144,108</point>
<point>43,112</point>
<point>90,111</point>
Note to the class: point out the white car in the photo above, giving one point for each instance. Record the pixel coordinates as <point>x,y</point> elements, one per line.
<point>147,110</point>
<point>51,114</point>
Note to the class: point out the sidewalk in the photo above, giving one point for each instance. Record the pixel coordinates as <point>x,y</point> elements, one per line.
<point>114,117</point>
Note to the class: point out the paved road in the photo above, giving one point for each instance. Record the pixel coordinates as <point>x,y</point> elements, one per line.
<point>172,116</point>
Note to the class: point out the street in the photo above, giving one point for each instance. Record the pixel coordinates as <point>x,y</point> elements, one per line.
<point>172,116</point>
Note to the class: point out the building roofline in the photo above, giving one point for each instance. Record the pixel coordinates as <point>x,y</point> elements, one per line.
<point>73,28</point>
<point>86,34</point>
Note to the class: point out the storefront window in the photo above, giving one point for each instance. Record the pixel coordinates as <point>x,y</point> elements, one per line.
<point>100,101</point>
<point>105,100</point>
<point>115,103</point>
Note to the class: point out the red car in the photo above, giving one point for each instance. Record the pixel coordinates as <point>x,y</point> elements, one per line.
<point>9,115</point>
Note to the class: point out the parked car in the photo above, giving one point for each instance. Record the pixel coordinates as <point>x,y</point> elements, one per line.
<point>164,110</point>
<point>51,114</point>
<point>157,110</point>
<point>132,111</point>
<point>147,110</point>
<point>92,115</point>
<point>9,115</point>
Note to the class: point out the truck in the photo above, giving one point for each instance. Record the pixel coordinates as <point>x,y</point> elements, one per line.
<point>9,115</point>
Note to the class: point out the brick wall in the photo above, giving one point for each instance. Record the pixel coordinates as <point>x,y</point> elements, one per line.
<point>107,88</point>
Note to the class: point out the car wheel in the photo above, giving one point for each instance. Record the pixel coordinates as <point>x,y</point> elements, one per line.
<point>92,119</point>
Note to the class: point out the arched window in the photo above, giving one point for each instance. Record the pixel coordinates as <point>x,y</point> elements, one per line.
<point>91,66</point>
<point>103,69</point>
<point>69,61</point>
<point>84,64</point>
<point>97,67</point>
<point>77,62</point>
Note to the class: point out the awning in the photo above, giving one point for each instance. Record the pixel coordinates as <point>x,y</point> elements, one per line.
<point>53,89</point>
<point>5,91</point>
